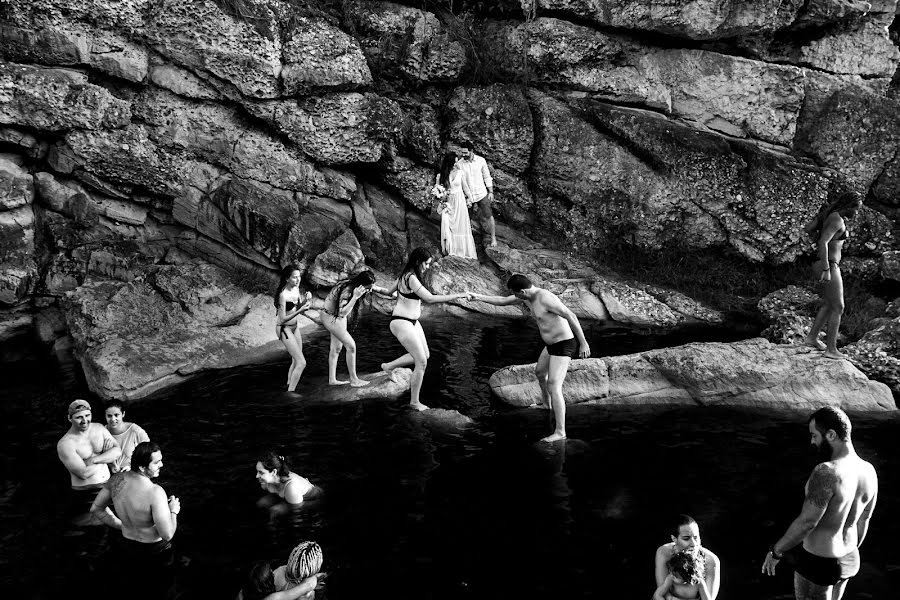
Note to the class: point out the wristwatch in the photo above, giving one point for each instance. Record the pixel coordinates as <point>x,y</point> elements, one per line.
<point>775,555</point>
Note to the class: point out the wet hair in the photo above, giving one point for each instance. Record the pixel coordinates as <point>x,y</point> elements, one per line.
<point>413,266</point>
<point>841,200</point>
<point>347,287</point>
<point>689,567</point>
<point>114,402</point>
<point>830,417</point>
<point>142,455</point>
<point>282,282</point>
<point>304,562</point>
<point>467,146</point>
<point>259,581</point>
<point>518,282</point>
<point>446,166</point>
<point>272,461</point>
<point>680,521</point>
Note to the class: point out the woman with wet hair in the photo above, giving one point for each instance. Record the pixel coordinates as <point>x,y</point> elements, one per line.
<point>405,320</point>
<point>273,472</point>
<point>289,304</point>
<point>341,316</point>
<point>259,584</point>
<point>829,229</point>
<point>303,569</point>
<point>704,578</point>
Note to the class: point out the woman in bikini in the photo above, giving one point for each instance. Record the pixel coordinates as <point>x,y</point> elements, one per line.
<point>830,229</point>
<point>341,308</point>
<point>273,472</point>
<point>686,538</point>
<point>290,304</point>
<point>405,320</point>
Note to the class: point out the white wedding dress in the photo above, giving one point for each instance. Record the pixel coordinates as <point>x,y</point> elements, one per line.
<point>456,229</point>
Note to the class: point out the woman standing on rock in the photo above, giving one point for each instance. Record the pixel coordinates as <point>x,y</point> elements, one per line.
<point>456,227</point>
<point>405,320</point>
<point>290,305</point>
<point>830,229</point>
<point>341,308</point>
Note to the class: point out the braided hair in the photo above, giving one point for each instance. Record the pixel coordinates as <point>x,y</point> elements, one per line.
<point>304,562</point>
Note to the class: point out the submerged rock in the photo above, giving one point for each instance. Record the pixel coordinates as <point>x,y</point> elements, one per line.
<point>381,385</point>
<point>752,373</point>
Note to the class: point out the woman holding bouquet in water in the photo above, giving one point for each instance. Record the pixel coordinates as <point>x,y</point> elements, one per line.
<point>456,229</point>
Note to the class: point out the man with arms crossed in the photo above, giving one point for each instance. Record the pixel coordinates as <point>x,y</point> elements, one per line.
<point>87,448</point>
<point>556,324</point>
<point>147,519</point>
<point>840,498</point>
<point>481,184</point>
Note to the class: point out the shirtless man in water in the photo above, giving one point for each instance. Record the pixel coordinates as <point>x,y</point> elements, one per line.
<point>145,516</point>
<point>840,498</point>
<point>556,324</point>
<point>86,449</point>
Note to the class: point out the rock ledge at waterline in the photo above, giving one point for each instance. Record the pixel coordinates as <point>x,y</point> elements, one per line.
<point>752,373</point>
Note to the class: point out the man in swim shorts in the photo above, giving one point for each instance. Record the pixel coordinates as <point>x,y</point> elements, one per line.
<point>556,324</point>
<point>145,516</point>
<point>840,497</point>
<point>87,448</point>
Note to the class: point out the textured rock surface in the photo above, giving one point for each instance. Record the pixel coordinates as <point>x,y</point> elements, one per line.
<point>753,373</point>
<point>319,56</point>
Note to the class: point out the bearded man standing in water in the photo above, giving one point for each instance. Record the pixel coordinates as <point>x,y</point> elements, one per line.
<point>840,497</point>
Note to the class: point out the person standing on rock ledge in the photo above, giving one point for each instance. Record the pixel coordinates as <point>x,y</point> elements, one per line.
<point>556,324</point>
<point>822,543</point>
<point>481,184</point>
<point>830,229</point>
<point>290,304</point>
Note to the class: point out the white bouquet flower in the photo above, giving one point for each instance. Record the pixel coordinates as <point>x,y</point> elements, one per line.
<point>439,193</point>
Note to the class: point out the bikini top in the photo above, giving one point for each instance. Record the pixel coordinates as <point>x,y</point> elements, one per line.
<point>410,295</point>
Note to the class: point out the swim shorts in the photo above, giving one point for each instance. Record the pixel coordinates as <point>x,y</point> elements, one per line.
<point>823,570</point>
<point>567,347</point>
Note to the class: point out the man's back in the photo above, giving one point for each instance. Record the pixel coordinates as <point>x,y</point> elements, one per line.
<point>133,496</point>
<point>850,487</point>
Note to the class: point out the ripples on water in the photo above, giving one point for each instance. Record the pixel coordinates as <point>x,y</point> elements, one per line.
<point>439,504</point>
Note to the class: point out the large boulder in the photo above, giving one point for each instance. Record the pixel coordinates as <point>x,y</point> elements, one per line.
<point>318,55</point>
<point>753,373</point>
<point>137,337</point>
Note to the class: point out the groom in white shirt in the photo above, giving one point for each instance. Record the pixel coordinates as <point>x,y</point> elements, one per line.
<point>481,185</point>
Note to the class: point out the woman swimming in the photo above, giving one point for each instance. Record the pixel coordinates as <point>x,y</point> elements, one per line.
<point>341,308</point>
<point>405,320</point>
<point>829,228</point>
<point>290,304</point>
<point>273,472</point>
<point>686,538</point>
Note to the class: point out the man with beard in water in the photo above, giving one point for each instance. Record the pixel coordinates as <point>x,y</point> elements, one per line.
<point>840,497</point>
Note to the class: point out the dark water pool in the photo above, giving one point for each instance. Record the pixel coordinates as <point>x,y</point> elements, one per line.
<point>424,506</point>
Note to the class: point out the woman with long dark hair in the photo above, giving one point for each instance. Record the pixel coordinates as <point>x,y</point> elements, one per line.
<point>456,227</point>
<point>405,319</point>
<point>341,316</point>
<point>273,472</point>
<point>829,228</point>
<point>290,304</point>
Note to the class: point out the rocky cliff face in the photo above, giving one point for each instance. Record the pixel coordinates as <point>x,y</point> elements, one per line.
<point>137,135</point>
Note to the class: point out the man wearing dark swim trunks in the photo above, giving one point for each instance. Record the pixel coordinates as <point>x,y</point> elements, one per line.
<point>145,516</point>
<point>840,497</point>
<point>556,324</point>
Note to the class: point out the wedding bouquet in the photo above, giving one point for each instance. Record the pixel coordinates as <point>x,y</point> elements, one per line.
<point>439,193</point>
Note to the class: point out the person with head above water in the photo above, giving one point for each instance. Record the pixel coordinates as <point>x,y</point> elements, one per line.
<point>87,448</point>
<point>341,316</point>
<point>259,584</point>
<point>127,435</point>
<point>289,303</point>
<point>829,228</point>
<point>703,582</point>
<point>561,332</point>
<point>302,570</point>
<point>822,543</point>
<point>405,320</point>
<point>273,472</point>
<point>145,516</point>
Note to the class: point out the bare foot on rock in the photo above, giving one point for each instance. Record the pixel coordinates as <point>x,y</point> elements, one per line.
<point>338,382</point>
<point>834,354</point>
<point>418,406</point>
<point>817,344</point>
<point>554,437</point>
<point>359,383</point>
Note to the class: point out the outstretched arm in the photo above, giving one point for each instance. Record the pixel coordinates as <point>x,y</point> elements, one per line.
<point>496,300</point>
<point>427,297</point>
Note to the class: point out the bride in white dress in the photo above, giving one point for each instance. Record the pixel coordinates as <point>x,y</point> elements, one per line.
<point>456,228</point>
